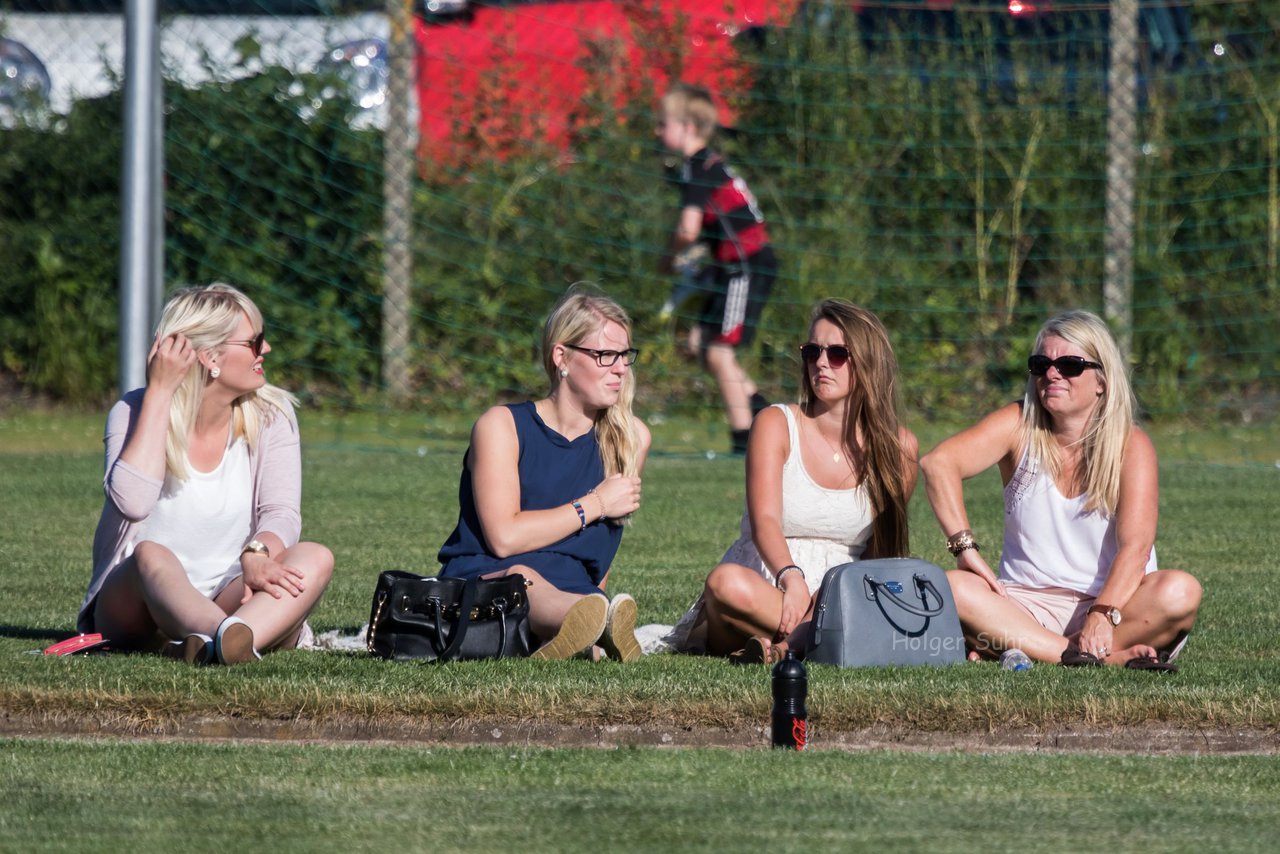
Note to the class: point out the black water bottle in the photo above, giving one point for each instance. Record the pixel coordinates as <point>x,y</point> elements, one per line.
<point>790,687</point>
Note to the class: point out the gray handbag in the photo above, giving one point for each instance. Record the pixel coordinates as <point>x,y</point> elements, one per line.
<point>885,612</point>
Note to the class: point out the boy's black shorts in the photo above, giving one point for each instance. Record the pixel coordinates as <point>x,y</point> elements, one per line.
<point>732,310</point>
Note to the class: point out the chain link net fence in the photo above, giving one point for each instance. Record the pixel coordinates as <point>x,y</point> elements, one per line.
<point>945,164</point>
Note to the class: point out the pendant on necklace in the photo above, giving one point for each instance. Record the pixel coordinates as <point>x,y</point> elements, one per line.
<point>835,458</point>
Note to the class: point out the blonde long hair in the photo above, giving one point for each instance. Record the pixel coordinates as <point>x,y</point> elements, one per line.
<point>207,317</point>
<point>1107,433</point>
<point>580,312</point>
<point>872,410</point>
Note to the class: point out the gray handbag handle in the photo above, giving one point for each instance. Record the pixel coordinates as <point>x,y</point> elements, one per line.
<point>878,588</point>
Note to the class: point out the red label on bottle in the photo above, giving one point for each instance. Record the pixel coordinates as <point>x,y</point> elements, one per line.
<point>799,727</point>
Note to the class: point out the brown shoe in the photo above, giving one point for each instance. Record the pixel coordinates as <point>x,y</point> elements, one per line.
<point>619,638</point>
<point>196,649</point>
<point>583,625</point>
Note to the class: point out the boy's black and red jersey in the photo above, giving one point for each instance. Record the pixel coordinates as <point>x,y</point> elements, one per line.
<point>732,224</point>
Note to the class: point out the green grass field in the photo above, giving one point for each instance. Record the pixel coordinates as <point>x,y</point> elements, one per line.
<point>384,496</point>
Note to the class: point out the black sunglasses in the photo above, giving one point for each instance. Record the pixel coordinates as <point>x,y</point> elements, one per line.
<point>837,354</point>
<point>1069,366</point>
<point>608,358</point>
<point>255,343</point>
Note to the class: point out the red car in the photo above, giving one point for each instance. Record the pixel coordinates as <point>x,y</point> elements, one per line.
<point>506,77</point>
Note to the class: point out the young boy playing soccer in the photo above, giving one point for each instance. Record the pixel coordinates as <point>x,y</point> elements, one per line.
<point>717,207</point>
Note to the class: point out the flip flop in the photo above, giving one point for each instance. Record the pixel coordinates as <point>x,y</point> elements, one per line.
<point>79,643</point>
<point>756,651</point>
<point>759,650</point>
<point>1079,658</point>
<point>1148,662</point>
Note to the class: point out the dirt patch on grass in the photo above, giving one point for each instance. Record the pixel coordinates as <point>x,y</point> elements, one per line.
<point>1144,740</point>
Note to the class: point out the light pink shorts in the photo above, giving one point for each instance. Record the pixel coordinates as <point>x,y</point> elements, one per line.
<point>1056,608</point>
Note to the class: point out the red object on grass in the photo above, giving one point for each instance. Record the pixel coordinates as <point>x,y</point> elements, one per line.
<point>79,643</point>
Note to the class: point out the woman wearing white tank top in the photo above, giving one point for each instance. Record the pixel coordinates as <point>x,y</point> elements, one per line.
<point>827,483</point>
<point>1078,581</point>
<point>196,553</point>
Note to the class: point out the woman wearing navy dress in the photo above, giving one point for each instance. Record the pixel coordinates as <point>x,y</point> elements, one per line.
<point>546,485</point>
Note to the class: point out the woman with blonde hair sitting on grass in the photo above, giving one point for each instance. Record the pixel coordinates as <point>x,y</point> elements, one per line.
<point>547,484</point>
<point>196,553</point>
<point>1078,581</point>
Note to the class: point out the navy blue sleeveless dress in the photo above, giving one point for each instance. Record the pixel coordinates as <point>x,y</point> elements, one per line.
<point>553,472</point>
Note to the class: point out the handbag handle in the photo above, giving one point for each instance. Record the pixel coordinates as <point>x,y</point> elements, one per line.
<point>450,653</point>
<point>926,587</point>
<point>464,622</point>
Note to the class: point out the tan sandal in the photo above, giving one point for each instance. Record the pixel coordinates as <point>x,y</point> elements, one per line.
<point>759,650</point>
<point>583,625</point>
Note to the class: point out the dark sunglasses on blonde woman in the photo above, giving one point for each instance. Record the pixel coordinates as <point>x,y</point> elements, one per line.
<point>1069,366</point>
<point>255,343</point>
<point>837,354</point>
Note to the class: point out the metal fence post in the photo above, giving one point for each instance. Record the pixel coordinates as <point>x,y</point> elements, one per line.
<point>141,200</point>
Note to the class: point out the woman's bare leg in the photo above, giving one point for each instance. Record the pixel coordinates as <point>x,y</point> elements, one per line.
<point>277,622</point>
<point>151,592</point>
<point>739,604</point>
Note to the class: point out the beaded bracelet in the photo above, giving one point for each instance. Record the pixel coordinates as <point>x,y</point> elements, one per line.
<point>777,579</point>
<point>962,540</point>
<point>582,515</point>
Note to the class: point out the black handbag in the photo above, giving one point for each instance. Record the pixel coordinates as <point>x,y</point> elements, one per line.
<point>884,612</point>
<point>448,619</point>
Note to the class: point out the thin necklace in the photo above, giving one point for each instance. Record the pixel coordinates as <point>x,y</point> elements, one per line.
<point>836,456</point>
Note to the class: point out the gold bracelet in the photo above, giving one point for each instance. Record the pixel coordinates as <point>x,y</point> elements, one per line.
<point>961,541</point>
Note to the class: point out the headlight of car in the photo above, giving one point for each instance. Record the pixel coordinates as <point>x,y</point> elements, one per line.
<point>24,82</point>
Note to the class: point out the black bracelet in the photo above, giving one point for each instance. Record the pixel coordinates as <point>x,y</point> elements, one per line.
<point>791,567</point>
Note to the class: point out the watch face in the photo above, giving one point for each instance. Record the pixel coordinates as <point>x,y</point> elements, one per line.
<point>1114,616</point>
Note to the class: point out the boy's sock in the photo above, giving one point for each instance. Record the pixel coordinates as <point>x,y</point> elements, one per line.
<point>758,402</point>
<point>739,441</point>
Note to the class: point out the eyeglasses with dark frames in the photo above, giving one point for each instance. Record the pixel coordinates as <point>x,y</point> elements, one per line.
<point>837,354</point>
<point>1069,366</point>
<point>255,343</point>
<point>608,358</point>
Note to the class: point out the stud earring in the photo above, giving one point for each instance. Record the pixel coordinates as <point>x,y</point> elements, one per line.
<point>564,372</point>
<point>215,372</point>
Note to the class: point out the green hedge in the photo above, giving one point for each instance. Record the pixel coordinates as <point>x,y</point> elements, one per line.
<point>962,213</point>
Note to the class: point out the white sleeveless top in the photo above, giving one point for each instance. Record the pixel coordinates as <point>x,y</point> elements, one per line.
<point>824,527</point>
<point>206,519</point>
<point>1050,541</point>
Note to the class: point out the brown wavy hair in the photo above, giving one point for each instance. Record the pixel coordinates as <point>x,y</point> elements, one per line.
<point>873,413</point>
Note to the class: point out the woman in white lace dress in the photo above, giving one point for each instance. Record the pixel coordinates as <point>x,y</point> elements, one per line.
<point>828,482</point>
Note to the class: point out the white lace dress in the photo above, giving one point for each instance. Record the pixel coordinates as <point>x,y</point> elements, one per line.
<point>824,528</point>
